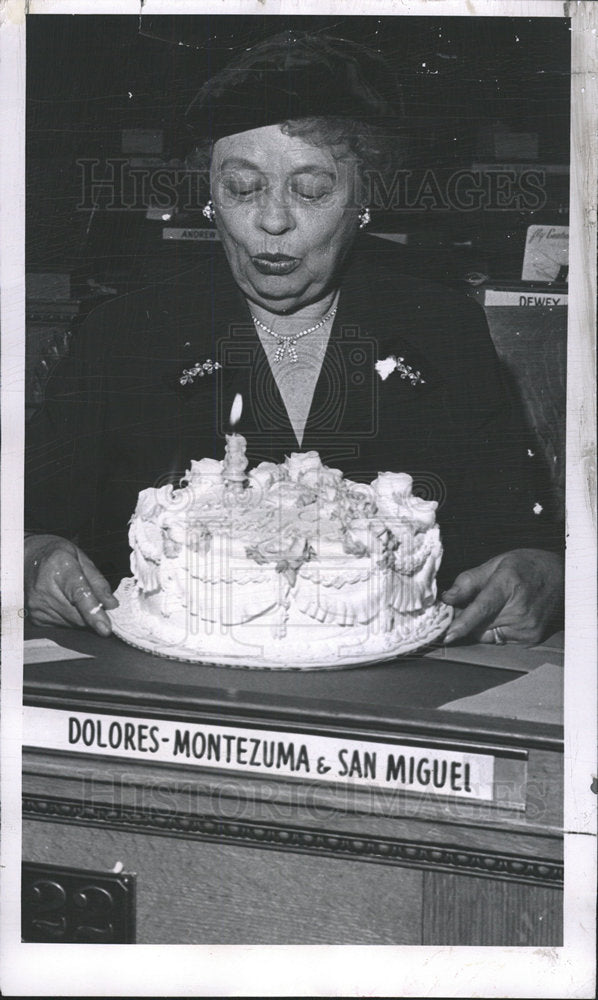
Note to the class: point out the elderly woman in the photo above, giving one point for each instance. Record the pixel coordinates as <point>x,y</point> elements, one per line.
<point>330,348</point>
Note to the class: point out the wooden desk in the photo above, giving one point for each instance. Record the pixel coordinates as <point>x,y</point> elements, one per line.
<point>227,853</point>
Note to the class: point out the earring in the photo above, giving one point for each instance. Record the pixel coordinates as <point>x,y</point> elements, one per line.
<point>364,217</point>
<point>208,211</point>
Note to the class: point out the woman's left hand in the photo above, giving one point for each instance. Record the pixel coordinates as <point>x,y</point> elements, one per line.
<point>517,592</point>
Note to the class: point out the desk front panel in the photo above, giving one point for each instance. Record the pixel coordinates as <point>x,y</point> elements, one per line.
<point>230,856</point>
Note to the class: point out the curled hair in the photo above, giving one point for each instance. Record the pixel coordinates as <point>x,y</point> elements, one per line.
<point>373,149</point>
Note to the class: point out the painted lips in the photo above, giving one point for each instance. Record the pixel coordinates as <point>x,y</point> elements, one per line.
<point>275,263</point>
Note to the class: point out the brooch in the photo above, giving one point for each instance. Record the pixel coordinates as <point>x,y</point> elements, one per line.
<point>393,364</point>
<point>198,370</point>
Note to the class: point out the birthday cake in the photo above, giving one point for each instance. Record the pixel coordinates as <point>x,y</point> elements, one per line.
<point>289,567</point>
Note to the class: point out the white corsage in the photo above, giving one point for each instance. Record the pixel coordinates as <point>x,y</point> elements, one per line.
<point>394,364</point>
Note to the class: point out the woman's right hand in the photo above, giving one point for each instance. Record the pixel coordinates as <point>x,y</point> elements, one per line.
<point>63,587</point>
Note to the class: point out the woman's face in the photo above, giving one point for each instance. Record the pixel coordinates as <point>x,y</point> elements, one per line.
<point>286,212</point>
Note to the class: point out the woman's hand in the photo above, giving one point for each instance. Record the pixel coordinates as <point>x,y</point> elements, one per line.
<point>63,587</point>
<point>517,592</point>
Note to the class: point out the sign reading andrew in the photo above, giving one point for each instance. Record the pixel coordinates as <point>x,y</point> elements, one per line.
<point>433,770</point>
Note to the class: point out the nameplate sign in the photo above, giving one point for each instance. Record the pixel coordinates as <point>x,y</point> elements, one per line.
<point>543,300</point>
<point>431,770</point>
<point>177,233</point>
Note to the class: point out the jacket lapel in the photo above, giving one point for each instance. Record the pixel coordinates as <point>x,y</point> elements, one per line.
<point>368,328</point>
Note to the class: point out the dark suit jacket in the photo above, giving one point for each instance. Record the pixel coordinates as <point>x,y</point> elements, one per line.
<point>117,419</point>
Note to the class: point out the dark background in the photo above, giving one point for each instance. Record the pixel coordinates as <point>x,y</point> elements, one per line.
<point>90,77</point>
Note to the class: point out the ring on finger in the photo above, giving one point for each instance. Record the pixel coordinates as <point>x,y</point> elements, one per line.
<point>81,592</point>
<point>498,636</point>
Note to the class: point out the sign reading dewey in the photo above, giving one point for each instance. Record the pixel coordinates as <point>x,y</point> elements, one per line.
<point>434,770</point>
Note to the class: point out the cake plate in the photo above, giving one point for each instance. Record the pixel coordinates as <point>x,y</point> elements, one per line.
<point>131,624</point>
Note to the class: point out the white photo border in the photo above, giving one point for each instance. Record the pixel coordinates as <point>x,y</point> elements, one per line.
<point>196,970</point>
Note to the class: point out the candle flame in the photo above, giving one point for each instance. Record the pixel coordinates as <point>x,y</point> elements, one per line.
<point>236,410</point>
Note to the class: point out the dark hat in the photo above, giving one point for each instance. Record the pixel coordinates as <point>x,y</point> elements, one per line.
<point>295,74</point>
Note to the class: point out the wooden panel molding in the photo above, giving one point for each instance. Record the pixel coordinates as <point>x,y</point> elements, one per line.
<point>297,839</point>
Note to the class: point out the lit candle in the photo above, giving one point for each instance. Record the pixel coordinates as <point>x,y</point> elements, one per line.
<point>236,410</point>
<point>235,459</point>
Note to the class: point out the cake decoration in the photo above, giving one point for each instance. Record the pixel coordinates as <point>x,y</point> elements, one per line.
<point>288,566</point>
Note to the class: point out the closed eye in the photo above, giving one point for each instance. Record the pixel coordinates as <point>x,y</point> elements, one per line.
<point>243,192</point>
<point>310,196</point>
<point>240,186</point>
<point>312,184</point>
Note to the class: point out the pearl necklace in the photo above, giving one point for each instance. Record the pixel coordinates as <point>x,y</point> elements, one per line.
<point>287,344</point>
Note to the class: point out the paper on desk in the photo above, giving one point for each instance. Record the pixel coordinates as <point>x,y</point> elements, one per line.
<point>511,656</point>
<point>536,697</point>
<point>45,651</point>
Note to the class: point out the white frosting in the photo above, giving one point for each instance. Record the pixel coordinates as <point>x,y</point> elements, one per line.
<point>314,560</point>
